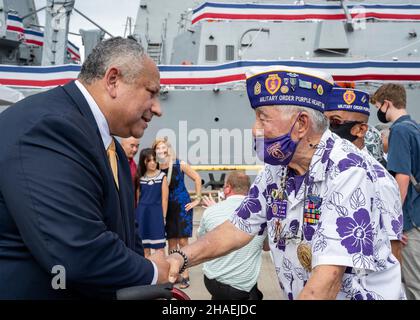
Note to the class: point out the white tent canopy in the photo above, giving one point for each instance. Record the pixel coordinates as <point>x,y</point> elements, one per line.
<point>9,96</point>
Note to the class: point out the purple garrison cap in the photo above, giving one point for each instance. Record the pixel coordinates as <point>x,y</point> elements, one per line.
<point>346,99</point>
<point>282,85</point>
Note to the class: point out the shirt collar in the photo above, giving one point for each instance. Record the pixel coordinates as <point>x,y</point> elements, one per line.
<point>97,114</point>
<point>401,119</point>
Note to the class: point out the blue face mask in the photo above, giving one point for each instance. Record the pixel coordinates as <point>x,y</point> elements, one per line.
<point>276,151</point>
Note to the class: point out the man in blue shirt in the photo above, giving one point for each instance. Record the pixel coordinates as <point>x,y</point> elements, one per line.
<point>403,161</point>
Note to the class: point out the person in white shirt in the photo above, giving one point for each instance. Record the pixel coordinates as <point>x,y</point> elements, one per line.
<point>234,276</point>
<point>348,112</point>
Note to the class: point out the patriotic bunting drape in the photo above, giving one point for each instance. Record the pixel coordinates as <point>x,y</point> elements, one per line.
<point>225,74</point>
<point>282,12</point>
<point>34,37</point>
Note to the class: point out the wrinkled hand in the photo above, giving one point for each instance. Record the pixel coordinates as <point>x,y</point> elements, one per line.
<point>175,262</point>
<point>404,240</point>
<point>208,201</point>
<point>162,265</point>
<point>191,205</point>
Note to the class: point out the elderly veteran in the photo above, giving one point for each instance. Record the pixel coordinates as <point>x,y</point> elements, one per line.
<point>314,197</point>
<point>348,113</point>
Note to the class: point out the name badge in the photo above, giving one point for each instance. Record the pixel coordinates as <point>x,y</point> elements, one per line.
<point>279,208</point>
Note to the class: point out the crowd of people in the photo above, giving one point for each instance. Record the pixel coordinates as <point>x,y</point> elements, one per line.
<point>337,202</point>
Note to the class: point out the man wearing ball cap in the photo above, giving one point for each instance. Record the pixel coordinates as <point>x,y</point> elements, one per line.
<point>313,198</point>
<point>348,112</point>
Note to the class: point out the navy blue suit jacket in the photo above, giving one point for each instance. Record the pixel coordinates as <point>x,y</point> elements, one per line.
<point>59,204</point>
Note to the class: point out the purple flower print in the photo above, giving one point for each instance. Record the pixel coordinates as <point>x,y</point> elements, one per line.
<point>294,183</point>
<point>267,194</point>
<point>294,226</point>
<point>357,296</point>
<point>380,172</point>
<point>251,204</point>
<point>397,225</point>
<point>263,226</point>
<point>328,148</point>
<point>308,232</point>
<point>352,160</point>
<point>281,244</point>
<point>357,233</point>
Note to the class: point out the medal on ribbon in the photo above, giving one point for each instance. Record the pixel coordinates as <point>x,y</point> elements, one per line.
<point>311,216</point>
<point>304,254</point>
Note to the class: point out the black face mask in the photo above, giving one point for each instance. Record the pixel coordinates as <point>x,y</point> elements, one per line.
<point>382,115</point>
<point>344,130</point>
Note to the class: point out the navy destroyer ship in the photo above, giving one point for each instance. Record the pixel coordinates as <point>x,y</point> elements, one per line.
<point>204,48</point>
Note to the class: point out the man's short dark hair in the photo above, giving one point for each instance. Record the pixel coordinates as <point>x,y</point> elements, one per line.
<point>392,92</point>
<point>125,54</point>
<point>239,182</point>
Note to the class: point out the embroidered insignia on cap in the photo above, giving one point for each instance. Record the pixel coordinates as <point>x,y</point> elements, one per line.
<point>284,89</point>
<point>257,88</point>
<point>305,84</point>
<point>363,99</point>
<point>349,96</point>
<point>273,83</point>
<point>320,90</point>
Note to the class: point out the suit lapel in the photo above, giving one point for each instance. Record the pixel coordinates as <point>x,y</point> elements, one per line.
<point>76,95</point>
<point>119,195</point>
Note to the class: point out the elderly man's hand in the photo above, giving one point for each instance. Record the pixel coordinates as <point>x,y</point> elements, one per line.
<point>208,201</point>
<point>162,265</point>
<point>175,261</point>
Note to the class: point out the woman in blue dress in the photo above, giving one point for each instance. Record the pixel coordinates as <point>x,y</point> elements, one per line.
<point>179,220</point>
<point>153,203</point>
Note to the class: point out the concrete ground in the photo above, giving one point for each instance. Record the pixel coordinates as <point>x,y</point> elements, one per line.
<point>267,282</point>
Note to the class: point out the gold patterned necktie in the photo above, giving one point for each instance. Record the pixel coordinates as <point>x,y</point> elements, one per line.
<point>112,157</point>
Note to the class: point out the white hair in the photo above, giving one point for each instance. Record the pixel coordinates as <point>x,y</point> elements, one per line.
<point>320,122</point>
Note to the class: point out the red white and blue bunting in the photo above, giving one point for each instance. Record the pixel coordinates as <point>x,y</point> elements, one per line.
<point>35,37</point>
<point>291,12</point>
<point>225,74</point>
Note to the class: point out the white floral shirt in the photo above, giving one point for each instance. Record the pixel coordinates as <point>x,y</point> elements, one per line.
<point>388,200</point>
<point>341,186</point>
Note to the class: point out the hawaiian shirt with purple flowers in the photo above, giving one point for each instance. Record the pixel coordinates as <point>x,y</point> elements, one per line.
<point>348,230</point>
<point>388,200</point>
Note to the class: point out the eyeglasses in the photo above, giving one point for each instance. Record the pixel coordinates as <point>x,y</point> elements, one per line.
<point>335,123</point>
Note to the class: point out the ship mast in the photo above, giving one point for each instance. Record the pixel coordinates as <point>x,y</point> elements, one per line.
<point>57,17</point>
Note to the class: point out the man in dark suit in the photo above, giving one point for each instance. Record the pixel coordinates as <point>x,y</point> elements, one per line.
<point>66,196</point>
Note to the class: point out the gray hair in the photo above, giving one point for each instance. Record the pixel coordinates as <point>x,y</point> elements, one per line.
<point>125,54</point>
<point>320,122</point>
